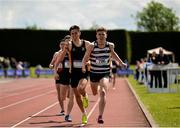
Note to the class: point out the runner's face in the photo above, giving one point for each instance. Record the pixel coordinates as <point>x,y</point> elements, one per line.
<point>62,45</point>
<point>101,36</point>
<point>75,34</point>
<point>67,42</point>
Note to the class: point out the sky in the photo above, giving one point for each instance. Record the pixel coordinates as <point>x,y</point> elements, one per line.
<point>61,14</point>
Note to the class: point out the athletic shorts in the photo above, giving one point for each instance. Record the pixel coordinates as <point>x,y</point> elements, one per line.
<point>76,76</point>
<point>114,70</point>
<point>96,77</point>
<point>64,77</point>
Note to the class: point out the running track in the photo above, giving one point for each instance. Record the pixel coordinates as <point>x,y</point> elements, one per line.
<point>33,103</point>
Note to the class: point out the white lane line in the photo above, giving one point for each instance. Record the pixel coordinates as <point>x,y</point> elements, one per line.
<point>22,101</point>
<point>92,110</point>
<point>5,81</point>
<point>35,114</point>
<point>89,114</point>
<point>19,93</point>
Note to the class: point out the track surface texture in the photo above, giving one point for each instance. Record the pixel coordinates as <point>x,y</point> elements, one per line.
<point>32,102</point>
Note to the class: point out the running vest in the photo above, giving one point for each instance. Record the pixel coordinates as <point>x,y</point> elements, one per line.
<point>65,62</point>
<point>77,54</point>
<point>100,59</point>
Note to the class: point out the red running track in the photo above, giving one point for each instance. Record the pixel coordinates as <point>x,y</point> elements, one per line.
<point>33,103</point>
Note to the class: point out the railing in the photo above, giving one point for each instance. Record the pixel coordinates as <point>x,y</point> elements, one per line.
<point>44,72</point>
<point>14,73</point>
<point>25,73</point>
<point>171,72</point>
<point>125,72</point>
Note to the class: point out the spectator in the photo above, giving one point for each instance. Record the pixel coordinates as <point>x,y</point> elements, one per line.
<point>162,59</point>
<point>6,65</point>
<point>20,65</point>
<point>1,63</point>
<point>141,71</point>
<point>153,73</point>
<point>137,68</point>
<point>38,70</point>
<point>127,68</point>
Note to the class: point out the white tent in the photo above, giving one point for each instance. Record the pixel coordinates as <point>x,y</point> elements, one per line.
<point>164,51</point>
<point>157,51</point>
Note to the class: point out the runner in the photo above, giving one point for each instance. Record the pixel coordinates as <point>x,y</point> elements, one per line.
<point>113,72</point>
<point>62,77</point>
<point>99,54</point>
<point>79,79</point>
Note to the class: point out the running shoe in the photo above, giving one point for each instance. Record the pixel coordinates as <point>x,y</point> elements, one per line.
<point>100,120</point>
<point>84,119</point>
<point>68,118</point>
<point>61,113</point>
<point>85,101</point>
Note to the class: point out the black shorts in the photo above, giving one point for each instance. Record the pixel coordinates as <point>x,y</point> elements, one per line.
<point>76,76</point>
<point>96,77</point>
<point>114,70</point>
<point>64,77</point>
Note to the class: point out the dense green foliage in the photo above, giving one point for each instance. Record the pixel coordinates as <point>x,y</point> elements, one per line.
<point>157,18</point>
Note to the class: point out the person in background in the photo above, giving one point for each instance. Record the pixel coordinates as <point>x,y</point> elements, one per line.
<point>127,67</point>
<point>113,74</point>
<point>15,65</point>
<point>137,68</point>
<point>141,71</point>
<point>162,59</point>
<point>6,64</point>
<point>153,73</point>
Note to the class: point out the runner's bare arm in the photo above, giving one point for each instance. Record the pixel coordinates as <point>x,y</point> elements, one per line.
<point>87,43</point>
<point>115,56</point>
<point>59,59</point>
<point>69,57</point>
<point>86,56</point>
<point>51,65</point>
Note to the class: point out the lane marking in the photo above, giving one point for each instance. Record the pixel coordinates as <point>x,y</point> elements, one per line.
<point>90,113</point>
<point>92,110</point>
<point>35,114</point>
<point>5,81</point>
<point>14,94</point>
<point>25,100</point>
<point>28,118</point>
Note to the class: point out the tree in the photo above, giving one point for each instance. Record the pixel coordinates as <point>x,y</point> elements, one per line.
<point>94,26</point>
<point>32,27</point>
<point>156,17</point>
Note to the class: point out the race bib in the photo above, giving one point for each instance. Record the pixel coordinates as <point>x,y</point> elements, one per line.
<point>77,64</point>
<point>102,61</point>
<point>60,65</point>
<point>66,64</point>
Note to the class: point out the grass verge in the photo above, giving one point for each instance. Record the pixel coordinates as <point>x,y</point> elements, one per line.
<point>164,107</point>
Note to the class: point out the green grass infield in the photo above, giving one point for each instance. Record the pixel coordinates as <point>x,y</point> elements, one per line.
<point>164,107</point>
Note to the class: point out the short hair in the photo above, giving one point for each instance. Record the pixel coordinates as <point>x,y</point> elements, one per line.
<point>62,41</point>
<point>101,29</point>
<point>67,37</point>
<point>74,27</point>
